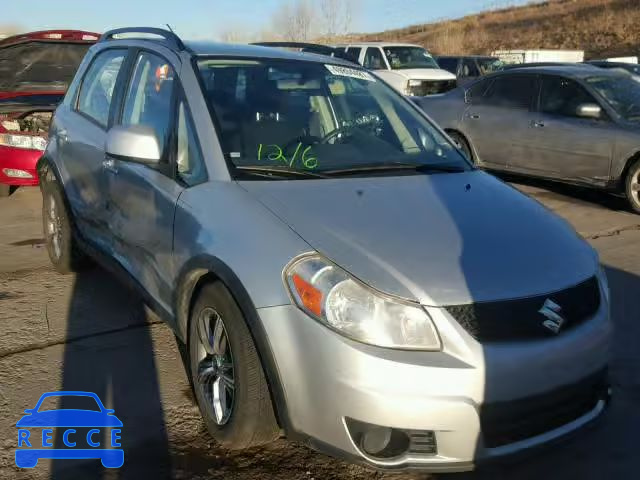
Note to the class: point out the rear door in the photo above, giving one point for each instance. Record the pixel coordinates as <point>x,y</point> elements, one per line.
<point>81,138</point>
<point>498,117</point>
<point>142,198</point>
<point>566,145</point>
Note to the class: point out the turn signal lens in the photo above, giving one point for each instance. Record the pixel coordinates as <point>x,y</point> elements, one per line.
<point>310,296</point>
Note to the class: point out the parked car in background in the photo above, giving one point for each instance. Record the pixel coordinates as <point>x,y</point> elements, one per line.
<point>35,71</point>
<point>469,67</point>
<point>410,69</point>
<point>537,56</point>
<point>332,264</point>
<point>578,124</point>
<point>633,68</point>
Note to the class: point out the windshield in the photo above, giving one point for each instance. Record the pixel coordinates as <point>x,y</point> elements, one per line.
<point>40,65</point>
<point>316,118</point>
<point>490,65</point>
<point>401,58</point>
<point>621,91</point>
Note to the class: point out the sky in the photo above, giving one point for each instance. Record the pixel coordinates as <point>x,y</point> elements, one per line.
<point>199,19</point>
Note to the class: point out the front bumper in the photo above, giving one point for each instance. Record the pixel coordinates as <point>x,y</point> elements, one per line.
<point>20,160</point>
<point>328,379</point>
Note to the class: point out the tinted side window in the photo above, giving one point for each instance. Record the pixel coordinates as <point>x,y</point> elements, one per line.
<point>374,59</point>
<point>469,68</point>
<point>476,91</point>
<point>354,53</point>
<point>148,100</point>
<point>98,85</point>
<point>511,91</point>
<point>562,96</point>
<point>449,64</point>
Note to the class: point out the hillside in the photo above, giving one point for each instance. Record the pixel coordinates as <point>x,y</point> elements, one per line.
<point>600,27</point>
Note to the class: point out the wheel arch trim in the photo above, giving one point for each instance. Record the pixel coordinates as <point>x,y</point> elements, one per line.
<point>204,268</point>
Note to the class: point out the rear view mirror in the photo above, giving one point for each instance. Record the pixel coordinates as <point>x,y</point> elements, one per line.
<point>138,143</point>
<point>589,110</point>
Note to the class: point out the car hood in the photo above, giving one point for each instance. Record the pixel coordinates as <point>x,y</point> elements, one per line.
<point>69,418</point>
<point>440,239</point>
<point>425,74</point>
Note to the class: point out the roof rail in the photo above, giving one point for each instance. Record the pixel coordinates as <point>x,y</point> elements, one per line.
<point>146,33</point>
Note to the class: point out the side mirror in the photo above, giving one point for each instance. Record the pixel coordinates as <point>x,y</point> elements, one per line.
<point>138,143</point>
<point>589,110</point>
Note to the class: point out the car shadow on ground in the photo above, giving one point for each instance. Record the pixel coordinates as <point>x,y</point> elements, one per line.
<point>109,351</point>
<point>557,190</point>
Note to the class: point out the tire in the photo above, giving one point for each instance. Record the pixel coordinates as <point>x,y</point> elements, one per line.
<point>64,253</point>
<point>463,144</point>
<point>5,190</point>
<point>632,187</point>
<point>242,416</point>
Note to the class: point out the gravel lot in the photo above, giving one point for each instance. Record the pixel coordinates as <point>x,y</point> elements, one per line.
<point>87,332</point>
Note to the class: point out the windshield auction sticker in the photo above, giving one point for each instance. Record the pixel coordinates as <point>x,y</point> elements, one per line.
<point>339,71</point>
<point>88,433</point>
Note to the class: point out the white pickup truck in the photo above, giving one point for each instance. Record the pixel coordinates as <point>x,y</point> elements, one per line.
<point>410,69</point>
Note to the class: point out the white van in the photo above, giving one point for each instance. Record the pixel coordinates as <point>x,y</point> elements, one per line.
<point>410,69</point>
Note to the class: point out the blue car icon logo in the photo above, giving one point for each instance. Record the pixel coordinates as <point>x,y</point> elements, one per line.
<point>86,434</point>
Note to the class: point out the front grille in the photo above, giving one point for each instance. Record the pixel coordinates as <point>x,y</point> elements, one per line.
<point>520,319</point>
<point>429,87</point>
<point>508,422</point>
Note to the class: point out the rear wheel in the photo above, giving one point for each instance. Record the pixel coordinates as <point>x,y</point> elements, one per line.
<point>226,372</point>
<point>63,251</point>
<point>463,144</point>
<point>633,187</point>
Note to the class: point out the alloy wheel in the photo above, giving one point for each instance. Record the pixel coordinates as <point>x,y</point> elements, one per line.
<point>54,226</point>
<point>635,187</point>
<point>215,371</point>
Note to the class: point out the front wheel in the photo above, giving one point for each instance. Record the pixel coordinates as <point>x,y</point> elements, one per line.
<point>632,185</point>
<point>226,372</point>
<point>462,144</point>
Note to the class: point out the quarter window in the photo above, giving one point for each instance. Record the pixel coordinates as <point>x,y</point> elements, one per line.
<point>374,59</point>
<point>149,97</point>
<point>189,162</point>
<point>562,96</point>
<point>510,91</point>
<point>98,85</point>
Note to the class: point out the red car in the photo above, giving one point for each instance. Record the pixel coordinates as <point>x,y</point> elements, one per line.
<point>35,71</point>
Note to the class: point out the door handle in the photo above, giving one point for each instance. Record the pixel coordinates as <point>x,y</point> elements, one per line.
<point>110,165</point>
<point>537,124</point>
<point>473,116</point>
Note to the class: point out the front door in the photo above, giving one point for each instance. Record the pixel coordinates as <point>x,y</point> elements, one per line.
<point>498,117</point>
<point>568,146</point>
<point>142,198</point>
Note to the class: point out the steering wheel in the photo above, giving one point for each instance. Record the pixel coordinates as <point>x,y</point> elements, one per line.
<point>304,140</point>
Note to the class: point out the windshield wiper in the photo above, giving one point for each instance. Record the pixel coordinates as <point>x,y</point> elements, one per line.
<point>279,171</point>
<point>390,167</point>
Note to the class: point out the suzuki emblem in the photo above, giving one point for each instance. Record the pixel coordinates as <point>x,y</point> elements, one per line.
<point>554,320</point>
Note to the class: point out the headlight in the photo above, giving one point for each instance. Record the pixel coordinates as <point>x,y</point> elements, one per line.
<point>331,296</point>
<point>415,83</point>
<point>28,142</point>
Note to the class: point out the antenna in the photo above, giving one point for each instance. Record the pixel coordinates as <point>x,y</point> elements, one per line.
<point>170,29</point>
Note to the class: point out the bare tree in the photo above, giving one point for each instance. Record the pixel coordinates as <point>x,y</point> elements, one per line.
<point>337,16</point>
<point>294,21</point>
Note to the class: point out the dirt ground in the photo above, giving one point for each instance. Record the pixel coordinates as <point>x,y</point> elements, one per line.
<point>87,332</point>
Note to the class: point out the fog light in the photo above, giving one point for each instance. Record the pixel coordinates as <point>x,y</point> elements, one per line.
<point>378,442</point>
<point>376,439</point>
<point>14,173</point>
